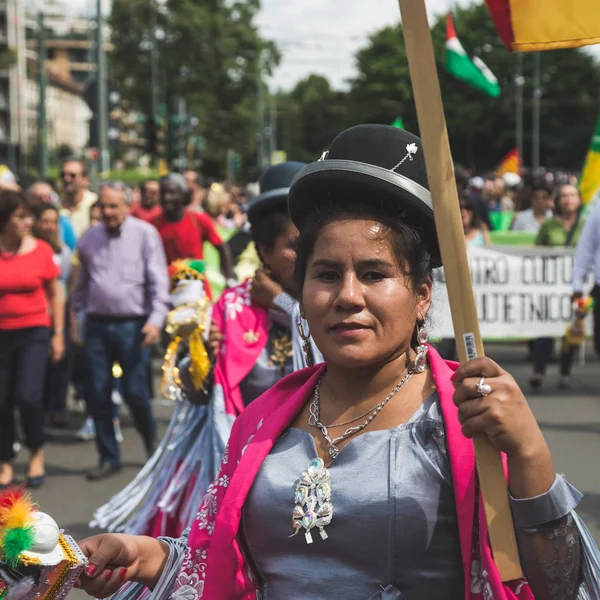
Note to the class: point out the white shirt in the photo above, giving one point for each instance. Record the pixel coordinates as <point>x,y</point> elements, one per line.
<point>526,221</point>
<point>587,253</point>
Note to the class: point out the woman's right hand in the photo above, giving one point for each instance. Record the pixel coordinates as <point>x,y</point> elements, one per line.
<point>116,558</point>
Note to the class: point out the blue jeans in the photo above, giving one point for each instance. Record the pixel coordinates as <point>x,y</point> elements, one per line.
<point>105,342</point>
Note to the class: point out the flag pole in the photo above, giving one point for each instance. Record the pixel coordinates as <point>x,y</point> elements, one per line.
<point>440,170</point>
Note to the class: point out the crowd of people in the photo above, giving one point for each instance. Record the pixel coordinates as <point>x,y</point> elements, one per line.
<point>84,295</point>
<point>102,300</point>
<point>381,427</point>
<point>323,260</point>
<point>549,208</point>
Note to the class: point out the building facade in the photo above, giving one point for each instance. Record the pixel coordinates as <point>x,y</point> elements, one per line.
<point>67,113</point>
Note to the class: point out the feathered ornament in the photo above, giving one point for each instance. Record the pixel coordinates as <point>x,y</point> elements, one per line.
<point>16,524</point>
<point>576,333</point>
<point>15,541</point>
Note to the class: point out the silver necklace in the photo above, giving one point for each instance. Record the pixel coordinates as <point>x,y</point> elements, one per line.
<point>312,490</point>
<point>315,409</point>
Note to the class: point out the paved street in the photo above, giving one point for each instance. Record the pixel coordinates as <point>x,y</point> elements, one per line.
<point>571,423</point>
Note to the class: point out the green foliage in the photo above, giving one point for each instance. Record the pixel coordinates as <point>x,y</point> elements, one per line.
<point>133,176</point>
<point>209,54</point>
<point>311,115</point>
<point>481,129</point>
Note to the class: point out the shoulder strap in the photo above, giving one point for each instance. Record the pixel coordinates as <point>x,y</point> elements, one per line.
<point>573,230</point>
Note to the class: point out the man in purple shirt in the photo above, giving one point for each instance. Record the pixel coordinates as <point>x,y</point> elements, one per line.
<point>124,289</point>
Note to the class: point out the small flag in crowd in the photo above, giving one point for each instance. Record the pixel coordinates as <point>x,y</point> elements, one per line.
<point>532,26</point>
<point>511,163</point>
<point>398,123</point>
<point>462,67</point>
<point>590,177</point>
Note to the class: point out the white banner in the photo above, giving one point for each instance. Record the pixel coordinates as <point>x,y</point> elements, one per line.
<point>520,293</point>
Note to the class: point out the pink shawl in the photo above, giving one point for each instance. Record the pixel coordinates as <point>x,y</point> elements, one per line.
<point>215,568</point>
<point>245,330</point>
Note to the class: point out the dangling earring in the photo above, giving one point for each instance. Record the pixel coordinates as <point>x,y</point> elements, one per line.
<point>305,343</point>
<point>422,349</point>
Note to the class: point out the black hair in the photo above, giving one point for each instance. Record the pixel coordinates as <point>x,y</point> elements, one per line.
<point>10,202</point>
<point>266,226</point>
<point>558,194</point>
<point>39,209</point>
<point>469,205</point>
<point>54,240</point>
<point>407,240</point>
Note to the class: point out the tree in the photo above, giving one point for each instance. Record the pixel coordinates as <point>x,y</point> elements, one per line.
<point>382,91</point>
<point>209,55</point>
<point>482,129</point>
<point>312,114</point>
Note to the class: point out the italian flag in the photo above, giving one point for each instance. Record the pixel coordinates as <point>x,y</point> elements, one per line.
<point>462,67</point>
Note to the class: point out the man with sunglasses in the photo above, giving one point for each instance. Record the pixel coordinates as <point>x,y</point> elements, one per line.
<point>76,200</point>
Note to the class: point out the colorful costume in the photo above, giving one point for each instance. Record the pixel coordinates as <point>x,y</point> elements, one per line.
<point>192,432</point>
<point>37,560</point>
<point>259,347</point>
<point>216,563</point>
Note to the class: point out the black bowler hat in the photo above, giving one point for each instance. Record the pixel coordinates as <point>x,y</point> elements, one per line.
<point>379,165</point>
<point>274,188</point>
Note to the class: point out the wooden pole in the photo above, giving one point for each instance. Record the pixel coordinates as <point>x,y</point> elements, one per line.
<point>440,170</point>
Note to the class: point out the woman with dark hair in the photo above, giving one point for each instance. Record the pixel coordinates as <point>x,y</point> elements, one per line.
<point>475,233</point>
<point>32,313</point>
<point>254,342</point>
<point>356,479</point>
<point>563,230</point>
<point>46,227</point>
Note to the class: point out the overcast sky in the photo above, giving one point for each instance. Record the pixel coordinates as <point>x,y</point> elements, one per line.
<point>317,36</point>
<point>322,36</point>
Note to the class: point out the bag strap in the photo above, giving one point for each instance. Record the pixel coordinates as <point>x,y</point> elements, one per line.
<point>573,229</point>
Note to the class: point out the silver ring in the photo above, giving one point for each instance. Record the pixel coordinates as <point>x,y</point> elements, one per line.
<point>483,388</point>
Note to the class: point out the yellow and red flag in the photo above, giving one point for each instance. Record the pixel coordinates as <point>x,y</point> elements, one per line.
<point>533,25</point>
<point>511,163</point>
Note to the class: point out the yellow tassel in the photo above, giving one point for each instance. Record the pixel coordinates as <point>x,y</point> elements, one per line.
<point>19,514</point>
<point>199,361</point>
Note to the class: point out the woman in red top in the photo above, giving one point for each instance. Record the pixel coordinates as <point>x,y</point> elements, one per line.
<point>31,306</point>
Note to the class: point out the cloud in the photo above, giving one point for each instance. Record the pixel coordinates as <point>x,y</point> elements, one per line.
<point>315,36</point>
<point>322,37</point>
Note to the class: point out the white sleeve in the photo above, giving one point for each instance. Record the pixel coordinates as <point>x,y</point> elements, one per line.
<point>586,250</point>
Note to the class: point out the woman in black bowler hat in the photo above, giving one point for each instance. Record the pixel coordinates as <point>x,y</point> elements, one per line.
<point>355,479</point>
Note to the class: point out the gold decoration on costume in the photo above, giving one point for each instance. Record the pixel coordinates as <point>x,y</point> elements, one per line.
<point>187,324</point>
<point>199,361</point>
<point>251,336</point>
<point>117,371</point>
<point>168,368</point>
<point>185,318</point>
<point>281,351</point>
